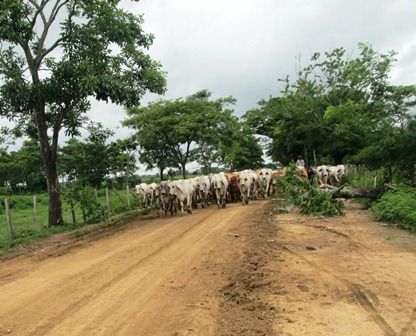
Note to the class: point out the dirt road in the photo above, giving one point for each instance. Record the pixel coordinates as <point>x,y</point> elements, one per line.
<point>234,271</point>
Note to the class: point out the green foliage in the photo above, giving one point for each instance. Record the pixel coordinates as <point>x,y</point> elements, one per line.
<point>27,230</point>
<point>87,161</point>
<point>397,207</point>
<point>364,178</point>
<point>238,148</point>
<point>23,167</point>
<point>303,195</point>
<point>102,54</point>
<point>84,198</point>
<point>340,106</point>
<point>172,133</point>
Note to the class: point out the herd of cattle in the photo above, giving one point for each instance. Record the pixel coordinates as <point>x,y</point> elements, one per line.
<point>223,188</point>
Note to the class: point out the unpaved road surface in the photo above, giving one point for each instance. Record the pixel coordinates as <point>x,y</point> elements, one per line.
<point>235,271</point>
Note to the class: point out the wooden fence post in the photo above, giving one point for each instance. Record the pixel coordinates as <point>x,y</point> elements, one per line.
<point>35,211</point>
<point>71,203</point>
<point>9,219</point>
<point>128,196</point>
<point>96,194</point>
<point>107,199</point>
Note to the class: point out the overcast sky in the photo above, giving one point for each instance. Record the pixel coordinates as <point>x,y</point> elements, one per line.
<point>241,47</point>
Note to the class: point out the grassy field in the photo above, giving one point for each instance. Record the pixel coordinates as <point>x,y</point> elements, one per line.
<point>26,229</point>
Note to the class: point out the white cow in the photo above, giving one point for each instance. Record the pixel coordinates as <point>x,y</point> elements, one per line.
<point>264,178</point>
<point>153,187</point>
<point>322,174</point>
<point>194,181</point>
<point>219,184</point>
<point>164,198</point>
<point>336,173</point>
<point>182,191</point>
<point>246,182</point>
<point>204,186</point>
<point>144,193</point>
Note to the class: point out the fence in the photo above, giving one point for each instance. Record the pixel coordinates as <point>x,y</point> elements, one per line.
<point>25,217</point>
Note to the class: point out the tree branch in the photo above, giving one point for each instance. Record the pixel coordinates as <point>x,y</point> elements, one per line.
<point>39,11</point>
<point>55,10</point>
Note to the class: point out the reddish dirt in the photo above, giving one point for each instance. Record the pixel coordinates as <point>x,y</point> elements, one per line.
<point>243,270</point>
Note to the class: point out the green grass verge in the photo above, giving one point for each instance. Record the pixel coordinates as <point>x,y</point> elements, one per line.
<point>26,230</point>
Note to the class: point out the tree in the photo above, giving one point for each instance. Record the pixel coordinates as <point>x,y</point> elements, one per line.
<point>173,131</point>
<point>121,157</point>
<point>239,149</point>
<point>26,167</point>
<point>47,77</point>
<point>337,107</point>
<point>87,161</point>
<point>23,169</point>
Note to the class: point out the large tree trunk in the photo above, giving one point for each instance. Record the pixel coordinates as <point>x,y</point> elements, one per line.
<point>183,164</point>
<point>161,173</point>
<point>348,192</point>
<point>55,206</point>
<point>49,156</point>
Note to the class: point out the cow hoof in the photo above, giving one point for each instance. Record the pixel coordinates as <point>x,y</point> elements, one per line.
<point>189,211</point>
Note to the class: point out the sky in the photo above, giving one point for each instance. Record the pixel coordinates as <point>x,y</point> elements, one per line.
<point>240,48</point>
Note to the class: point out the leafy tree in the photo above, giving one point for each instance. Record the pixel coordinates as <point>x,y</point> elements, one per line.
<point>27,166</point>
<point>87,161</point>
<point>121,157</point>
<point>238,148</point>
<point>23,167</point>
<point>337,107</point>
<point>47,77</point>
<point>174,131</point>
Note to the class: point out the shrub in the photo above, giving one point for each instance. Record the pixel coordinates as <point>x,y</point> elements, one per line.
<point>397,207</point>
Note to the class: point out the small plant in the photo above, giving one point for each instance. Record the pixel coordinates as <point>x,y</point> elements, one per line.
<point>85,198</point>
<point>309,199</point>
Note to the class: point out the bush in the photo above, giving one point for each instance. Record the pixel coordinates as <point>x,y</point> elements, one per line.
<point>309,199</point>
<point>5,191</point>
<point>397,207</point>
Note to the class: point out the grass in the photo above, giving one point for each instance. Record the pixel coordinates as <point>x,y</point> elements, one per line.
<point>27,230</point>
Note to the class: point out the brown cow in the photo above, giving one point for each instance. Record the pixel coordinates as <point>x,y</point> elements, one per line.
<point>233,190</point>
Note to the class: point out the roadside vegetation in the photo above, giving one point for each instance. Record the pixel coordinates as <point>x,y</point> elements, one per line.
<point>397,206</point>
<point>87,210</point>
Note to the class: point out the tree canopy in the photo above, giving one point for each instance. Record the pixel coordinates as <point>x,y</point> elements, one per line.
<point>343,109</point>
<point>49,67</point>
<point>175,132</point>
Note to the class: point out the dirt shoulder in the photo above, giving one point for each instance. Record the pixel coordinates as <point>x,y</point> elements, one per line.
<point>344,276</point>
